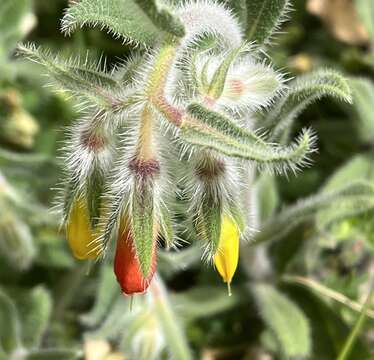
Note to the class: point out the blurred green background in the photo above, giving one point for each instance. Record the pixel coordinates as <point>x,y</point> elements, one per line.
<point>53,307</point>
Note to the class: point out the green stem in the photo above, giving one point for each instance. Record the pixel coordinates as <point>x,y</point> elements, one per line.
<point>173,332</point>
<point>348,346</point>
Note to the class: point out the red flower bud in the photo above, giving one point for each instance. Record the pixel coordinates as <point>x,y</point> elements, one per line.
<point>127,267</point>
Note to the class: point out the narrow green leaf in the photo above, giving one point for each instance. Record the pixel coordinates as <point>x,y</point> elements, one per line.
<point>212,130</point>
<point>302,92</point>
<point>363,95</point>
<point>281,224</point>
<point>264,18</point>
<point>172,329</point>
<point>167,227</point>
<point>142,225</point>
<point>349,344</point>
<point>81,79</point>
<point>10,328</point>
<point>208,223</point>
<point>135,21</point>
<point>35,310</point>
<point>218,81</point>
<point>95,185</point>
<point>285,319</point>
<point>360,168</point>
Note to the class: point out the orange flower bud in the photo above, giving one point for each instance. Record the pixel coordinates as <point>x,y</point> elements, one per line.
<point>127,267</point>
<point>79,233</point>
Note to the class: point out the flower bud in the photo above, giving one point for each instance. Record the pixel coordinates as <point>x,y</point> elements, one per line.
<point>127,266</point>
<point>227,256</point>
<point>80,235</point>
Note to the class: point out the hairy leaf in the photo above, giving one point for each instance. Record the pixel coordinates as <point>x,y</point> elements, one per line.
<point>264,18</point>
<point>285,319</point>
<point>212,130</point>
<point>136,21</point>
<point>360,168</point>
<point>81,79</point>
<point>301,93</point>
<point>208,223</point>
<point>143,225</point>
<point>278,226</point>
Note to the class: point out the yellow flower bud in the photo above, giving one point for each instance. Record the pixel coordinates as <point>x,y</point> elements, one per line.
<point>227,256</point>
<point>79,233</point>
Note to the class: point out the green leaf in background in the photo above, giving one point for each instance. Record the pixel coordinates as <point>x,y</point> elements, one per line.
<point>10,327</point>
<point>107,291</point>
<point>356,209</point>
<point>365,10</point>
<point>205,301</point>
<point>16,20</point>
<point>171,327</point>
<point>267,195</point>
<point>285,319</point>
<point>363,95</point>
<point>328,331</point>
<point>360,167</point>
<point>134,21</point>
<point>35,309</point>
<point>301,93</point>
<point>264,18</point>
<point>280,225</point>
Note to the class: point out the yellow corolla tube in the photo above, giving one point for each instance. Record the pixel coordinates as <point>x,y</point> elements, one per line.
<point>227,256</point>
<point>79,232</point>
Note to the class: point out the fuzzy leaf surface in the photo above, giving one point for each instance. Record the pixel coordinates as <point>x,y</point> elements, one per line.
<point>214,131</point>
<point>285,319</point>
<point>136,21</point>
<point>301,93</point>
<point>142,225</point>
<point>278,226</point>
<point>81,79</point>
<point>264,18</point>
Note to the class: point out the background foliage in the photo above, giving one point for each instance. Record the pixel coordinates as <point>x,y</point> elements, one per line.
<point>302,280</point>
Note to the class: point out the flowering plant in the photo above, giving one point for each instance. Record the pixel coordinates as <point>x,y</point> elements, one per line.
<point>191,116</point>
